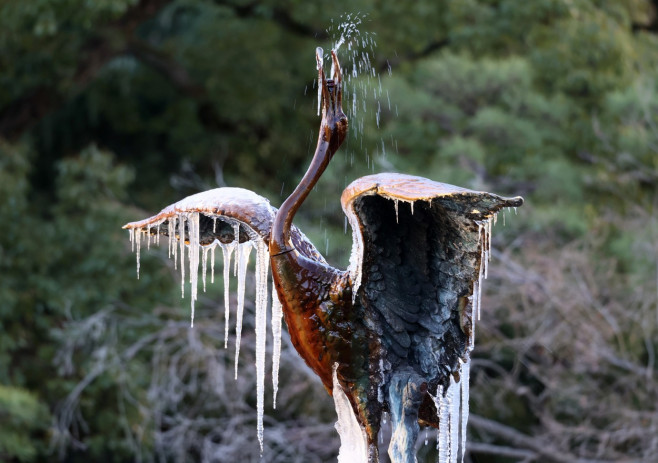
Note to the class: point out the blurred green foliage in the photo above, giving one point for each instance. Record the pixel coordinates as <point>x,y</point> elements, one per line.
<point>109,110</point>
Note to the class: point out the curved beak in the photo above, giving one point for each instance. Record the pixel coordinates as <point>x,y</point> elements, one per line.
<point>334,122</point>
<point>331,89</point>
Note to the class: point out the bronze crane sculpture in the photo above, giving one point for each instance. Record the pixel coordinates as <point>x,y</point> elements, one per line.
<point>393,332</point>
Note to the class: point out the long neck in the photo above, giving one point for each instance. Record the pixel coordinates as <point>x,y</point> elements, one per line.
<point>280,240</point>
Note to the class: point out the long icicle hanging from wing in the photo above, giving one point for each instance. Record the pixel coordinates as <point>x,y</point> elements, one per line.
<point>183,230</point>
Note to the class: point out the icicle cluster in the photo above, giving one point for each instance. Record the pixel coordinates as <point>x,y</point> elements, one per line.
<point>484,243</point>
<point>184,231</point>
<point>452,408</point>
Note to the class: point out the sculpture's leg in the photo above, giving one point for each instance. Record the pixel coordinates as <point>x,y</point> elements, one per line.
<point>405,394</point>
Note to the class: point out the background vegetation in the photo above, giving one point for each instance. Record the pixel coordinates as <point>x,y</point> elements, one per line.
<point>112,109</point>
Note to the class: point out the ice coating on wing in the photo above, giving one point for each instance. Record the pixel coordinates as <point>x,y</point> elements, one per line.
<point>353,441</point>
<point>277,315</point>
<point>243,252</point>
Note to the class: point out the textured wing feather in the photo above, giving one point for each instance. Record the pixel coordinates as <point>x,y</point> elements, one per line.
<point>418,253</point>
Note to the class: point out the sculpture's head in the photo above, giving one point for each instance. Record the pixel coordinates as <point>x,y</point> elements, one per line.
<point>334,121</point>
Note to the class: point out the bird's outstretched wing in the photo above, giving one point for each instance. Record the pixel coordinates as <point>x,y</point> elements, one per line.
<point>420,252</point>
<point>222,213</point>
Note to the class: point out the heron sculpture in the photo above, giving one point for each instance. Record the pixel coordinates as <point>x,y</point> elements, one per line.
<point>392,333</point>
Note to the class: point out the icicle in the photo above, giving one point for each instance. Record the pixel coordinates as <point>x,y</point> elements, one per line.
<point>138,238</point>
<point>262,261</point>
<point>171,232</point>
<point>181,241</point>
<point>454,401</point>
<point>131,236</point>
<point>204,266</point>
<point>212,263</point>
<point>412,207</point>
<point>353,442</point>
<point>193,230</point>
<point>148,237</point>
<point>227,251</point>
<point>443,444</point>
<point>214,224</point>
<point>465,378</point>
<point>157,235</point>
<point>396,211</point>
<point>236,234</point>
<point>487,252</point>
<point>489,233</point>
<point>471,341</point>
<point>242,257</point>
<point>277,314</point>
<point>476,299</point>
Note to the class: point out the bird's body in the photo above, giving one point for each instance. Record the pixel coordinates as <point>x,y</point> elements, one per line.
<point>393,330</point>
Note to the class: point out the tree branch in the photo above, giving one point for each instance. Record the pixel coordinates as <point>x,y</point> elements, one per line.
<point>279,15</point>
<point>21,114</point>
<point>543,449</point>
<point>498,450</point>
<point>180,78</point>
